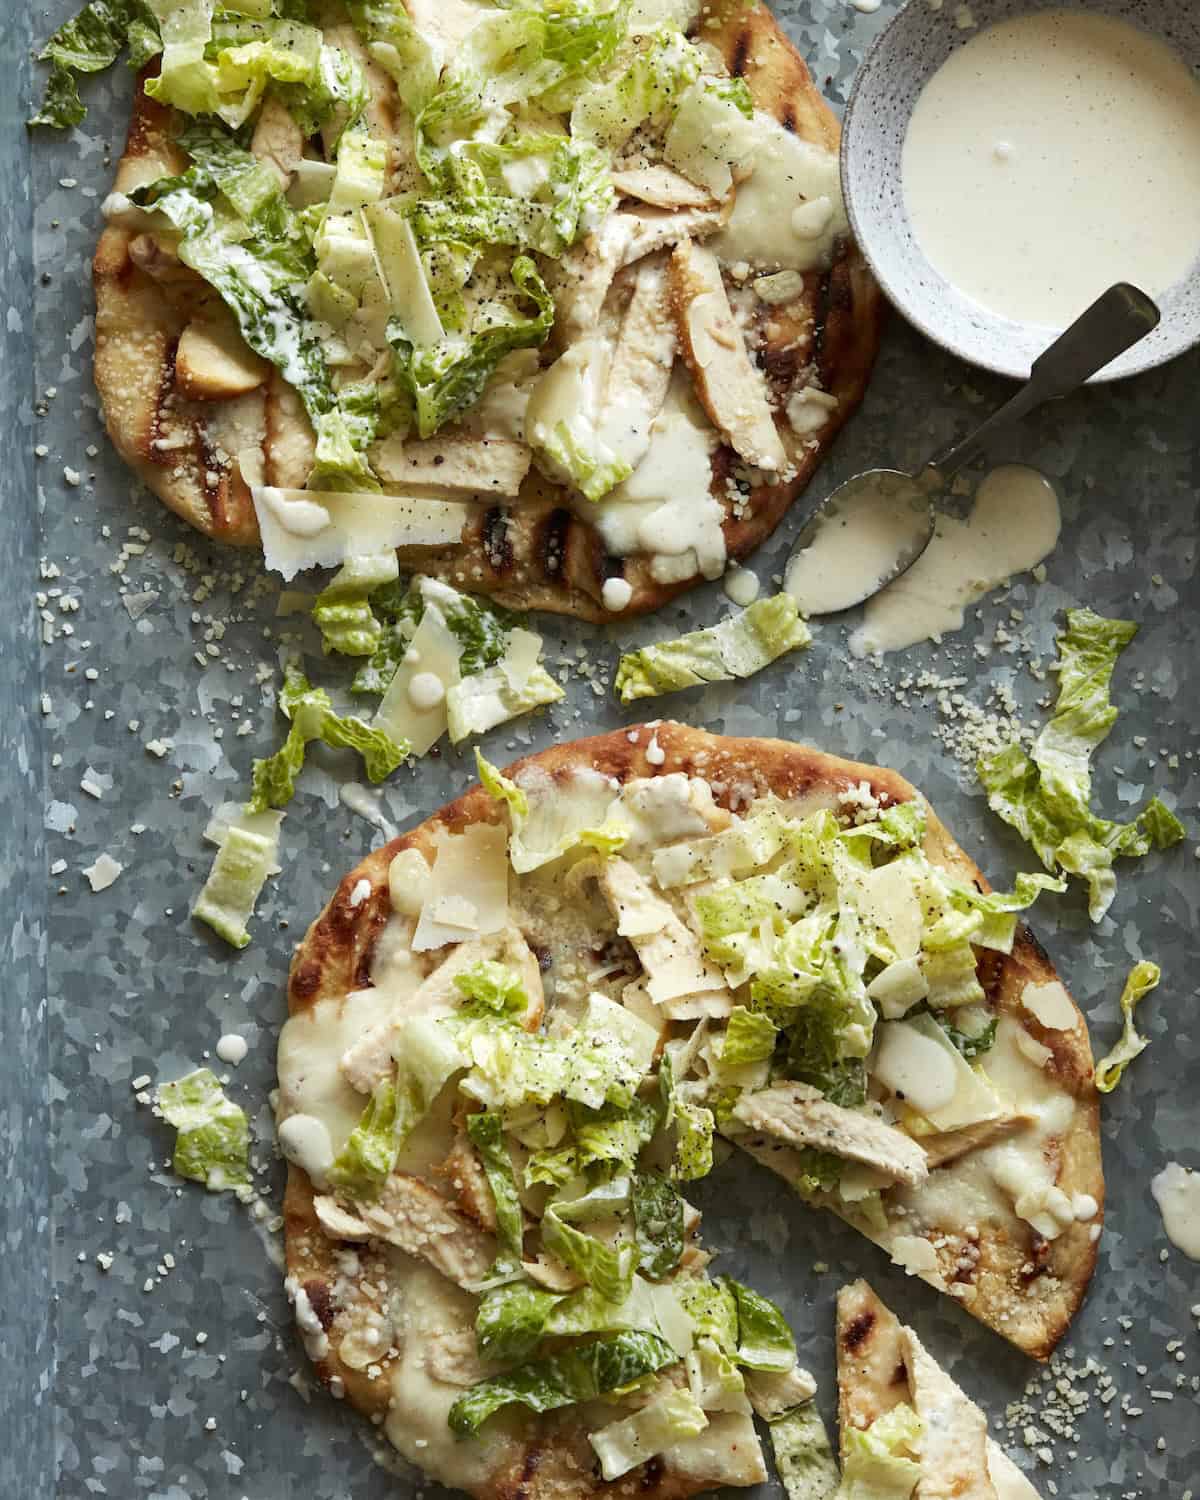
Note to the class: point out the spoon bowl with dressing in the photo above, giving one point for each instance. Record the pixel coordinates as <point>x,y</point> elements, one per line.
<point>877,524</point>
<point>1002,165</point>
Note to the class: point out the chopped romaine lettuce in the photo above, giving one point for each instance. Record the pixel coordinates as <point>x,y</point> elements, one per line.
<point>342,611</point>
<point>442,379</point>
<point>749,1038</point>
<point>339,464</point>
<point>427,1058</point>
<point>737,647</point>
<point>1143,977</point>
<point>613,1133</point>
<point>511,1320</point>
<point>646,93</point>
<point>246,854</point>
<point>482,630</point>
<point>491,697</point>
<point>764,1340</point>
<point>971,1044</point>
<point>879,1462</point>
<point>694,1125</point>
<point>313,718</point>
<point>608,1363</point>
<point>712,1308</point>
<point>804,1460</point>
<point>1046,794</point>
<point>329,99</point>
<point>510,1067</point>
<point>223,67</point>
<point>212,1143</point>
<point>491,989</point>
<point>658,1216</point>
<point>630,1441</point>
<point>547,819</point>
<point>487,1135</point>
<point>361,168</point>
<point>499,786</point>
<point>399,48</point>
<point>574,452</point>
<point>88,43</point>
<point>563,190</point>
<point>607,1268</point>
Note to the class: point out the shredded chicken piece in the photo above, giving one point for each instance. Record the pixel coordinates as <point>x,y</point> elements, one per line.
<point>414,1217</point>
<point>369,1060</point>
<point>463,1174</point>
<point>731,390</point>
<point>661,187</point>
<point>277,140</point>
<point>798,1115</point>
<point>587,270</point>
<point>948,1145</point>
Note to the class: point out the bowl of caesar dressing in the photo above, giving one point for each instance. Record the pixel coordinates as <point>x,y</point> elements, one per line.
<point>1004,163</point>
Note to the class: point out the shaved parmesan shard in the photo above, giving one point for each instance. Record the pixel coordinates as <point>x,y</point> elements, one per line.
<point>399,263</point>
<point>414,713</point>
<point>915,1254</point>
<point>300,531</point>
<point>1051,1005</point>
<point>678,978</point>
<point>246,854</point>
<point>103,873</point>
<point>468,888</point>
<point>918,1062</point>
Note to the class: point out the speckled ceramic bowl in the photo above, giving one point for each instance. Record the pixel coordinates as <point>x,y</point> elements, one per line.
<point>896,68</point>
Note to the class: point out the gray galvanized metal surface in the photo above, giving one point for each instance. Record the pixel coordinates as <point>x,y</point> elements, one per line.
<point>175,1372</point>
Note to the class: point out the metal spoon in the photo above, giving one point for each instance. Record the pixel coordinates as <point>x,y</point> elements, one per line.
<point>892,512</point>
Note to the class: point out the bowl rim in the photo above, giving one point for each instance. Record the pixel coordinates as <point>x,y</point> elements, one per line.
<point>1157,358</point>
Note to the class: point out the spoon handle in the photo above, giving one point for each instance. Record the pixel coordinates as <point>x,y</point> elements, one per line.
<point>1115,321</point>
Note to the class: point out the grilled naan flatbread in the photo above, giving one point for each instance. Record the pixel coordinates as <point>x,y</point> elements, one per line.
<point>198,416</point>
<point>385,1304</point>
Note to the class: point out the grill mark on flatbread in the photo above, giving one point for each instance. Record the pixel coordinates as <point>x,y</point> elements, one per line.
<point>553,542</point>
<point>497,544</point>
<point>858,1330</point>
<point>321,1301</point>
<point>566,580</point>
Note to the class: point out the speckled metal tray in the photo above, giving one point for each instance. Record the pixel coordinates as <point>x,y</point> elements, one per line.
<point>175,1372</point>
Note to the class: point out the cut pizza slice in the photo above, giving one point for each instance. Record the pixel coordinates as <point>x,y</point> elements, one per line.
<point>906,1427</point>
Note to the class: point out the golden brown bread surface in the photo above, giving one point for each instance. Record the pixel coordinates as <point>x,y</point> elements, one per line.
<point>532,553</point>
<point>1026,1288</point>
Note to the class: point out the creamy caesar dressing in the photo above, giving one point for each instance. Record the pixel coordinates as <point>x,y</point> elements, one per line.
<point>1019,1174</point>
<point>857,544</point>
<point>1013,525</point>
<point>741,586</point>
<point>427,1305</point>
<point>1052,155</point>
<point>311,1045</point>
<point>666,507</point>
<point>1176,1190</point>
<point>789,211</point>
